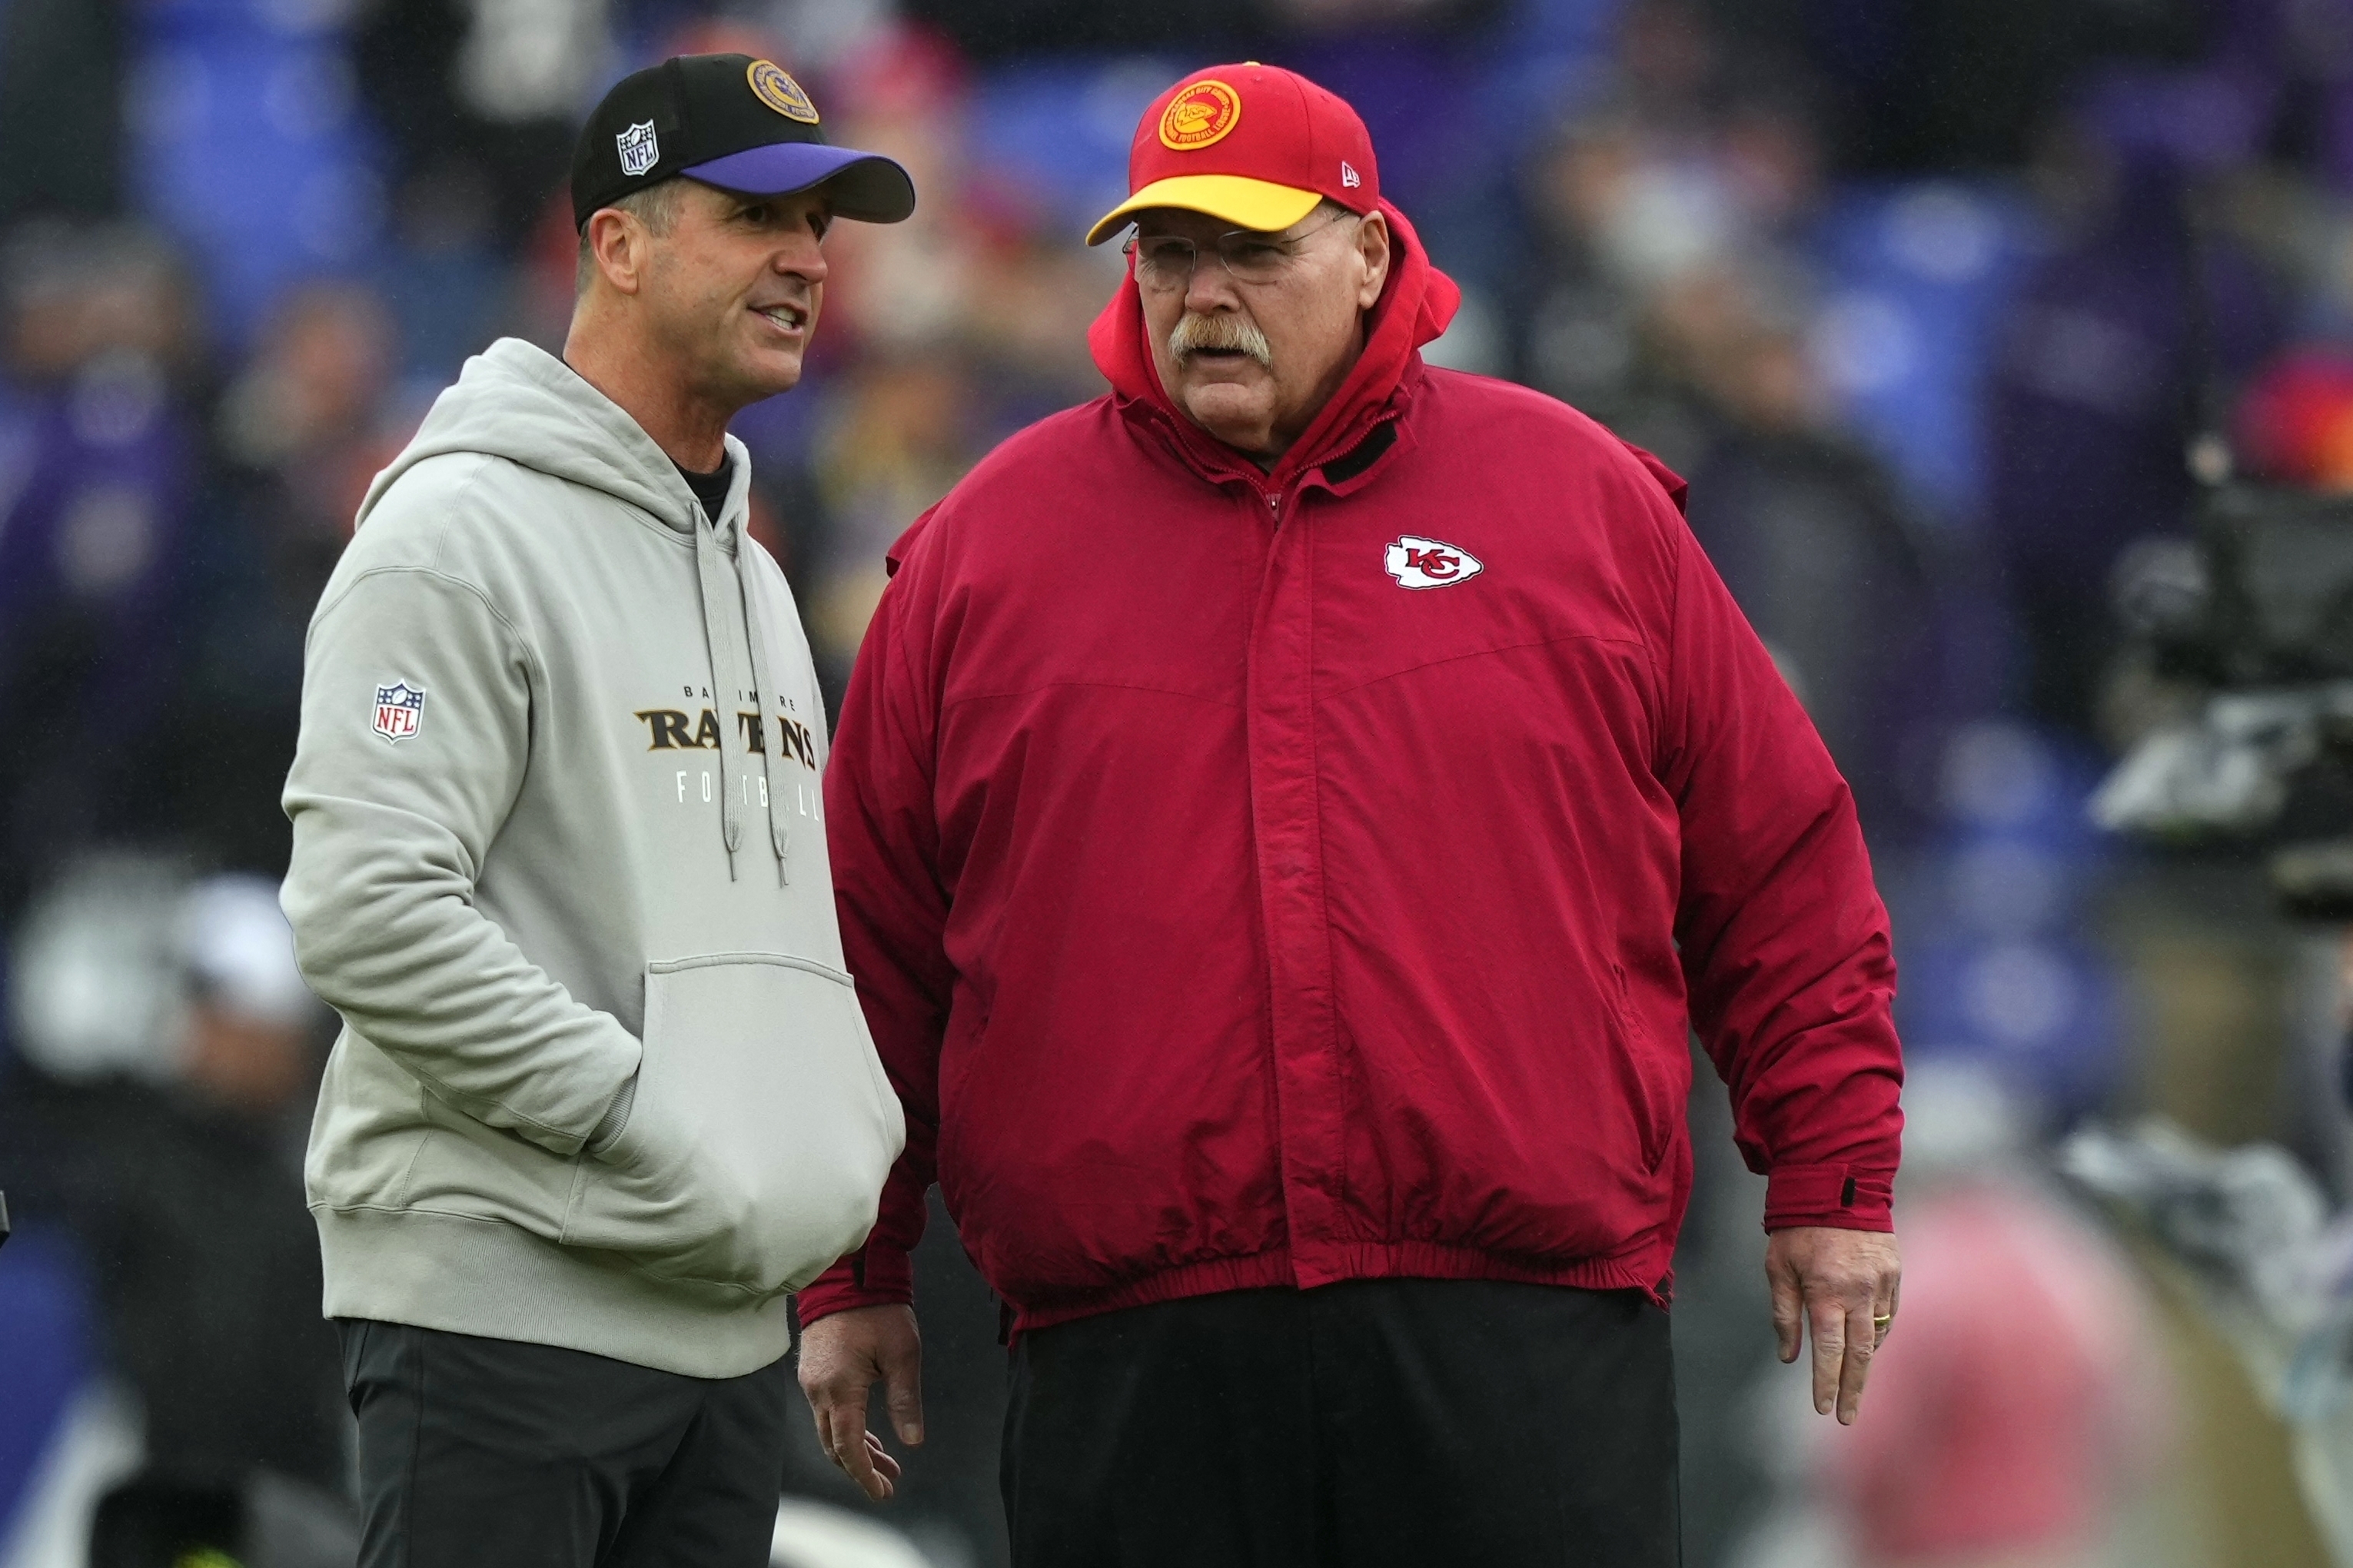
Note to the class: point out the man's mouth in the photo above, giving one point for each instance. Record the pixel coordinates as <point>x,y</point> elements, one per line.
<point>792,318</point>
<point>1219,339</point>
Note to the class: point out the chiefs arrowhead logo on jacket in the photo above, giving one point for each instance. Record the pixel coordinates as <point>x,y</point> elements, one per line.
<point>1417,563</point>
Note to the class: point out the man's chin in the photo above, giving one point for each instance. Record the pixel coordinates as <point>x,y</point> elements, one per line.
<point>1238,415</point>
<point>766,374</point>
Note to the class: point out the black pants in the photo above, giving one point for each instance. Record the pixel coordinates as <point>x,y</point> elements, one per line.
<point>506,1455</point>
<point>1381,1422</point>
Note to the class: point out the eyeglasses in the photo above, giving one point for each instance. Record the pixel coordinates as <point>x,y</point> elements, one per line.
<point>1166,261</point>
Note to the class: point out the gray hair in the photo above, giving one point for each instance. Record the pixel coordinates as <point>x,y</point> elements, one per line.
<point>656,207</point>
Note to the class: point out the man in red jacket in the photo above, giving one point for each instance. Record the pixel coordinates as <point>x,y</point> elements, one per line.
<point>1284,815</point>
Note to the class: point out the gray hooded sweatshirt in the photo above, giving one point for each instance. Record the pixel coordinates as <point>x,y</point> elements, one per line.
<point>559,862</point>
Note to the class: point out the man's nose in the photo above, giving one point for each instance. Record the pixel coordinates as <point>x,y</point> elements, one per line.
<point>801,258</point>
<point>1211,287</point>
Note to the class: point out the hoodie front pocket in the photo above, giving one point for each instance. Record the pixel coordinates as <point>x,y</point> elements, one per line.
<point>761,1132</point>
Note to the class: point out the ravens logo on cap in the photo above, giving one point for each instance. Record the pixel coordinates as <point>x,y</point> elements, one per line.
<point>780,92</point>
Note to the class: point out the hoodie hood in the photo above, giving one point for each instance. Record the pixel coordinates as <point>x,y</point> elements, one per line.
<point>1415,305</point>
<point>518,402</point>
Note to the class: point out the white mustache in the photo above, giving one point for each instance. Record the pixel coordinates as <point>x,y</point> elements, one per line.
<point>1197,331</point>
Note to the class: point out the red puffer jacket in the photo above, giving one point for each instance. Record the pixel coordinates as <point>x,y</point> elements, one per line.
<point>1278,878</point>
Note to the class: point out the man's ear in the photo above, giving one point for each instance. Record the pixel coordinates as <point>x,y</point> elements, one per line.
<point>619,244</point>
<point>1373,245</point>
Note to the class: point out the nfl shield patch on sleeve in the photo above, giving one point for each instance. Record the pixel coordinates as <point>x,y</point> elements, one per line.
<point>399,709</point>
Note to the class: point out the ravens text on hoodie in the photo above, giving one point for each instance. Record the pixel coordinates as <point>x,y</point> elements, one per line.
<point>560,864</point>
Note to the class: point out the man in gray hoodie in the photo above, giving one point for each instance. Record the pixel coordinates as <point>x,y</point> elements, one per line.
<point>603,1096</point>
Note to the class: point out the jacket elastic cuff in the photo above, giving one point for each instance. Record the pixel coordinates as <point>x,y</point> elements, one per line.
<point>874,1276</point>
<point>1845,1197</point>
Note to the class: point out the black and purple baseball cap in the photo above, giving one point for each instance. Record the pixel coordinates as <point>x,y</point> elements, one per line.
<point>729,121</point>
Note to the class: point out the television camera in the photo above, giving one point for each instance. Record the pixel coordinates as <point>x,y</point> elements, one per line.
<point>2251,617</point>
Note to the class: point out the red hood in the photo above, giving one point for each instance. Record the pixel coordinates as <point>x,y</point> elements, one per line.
<point>1414,308</point>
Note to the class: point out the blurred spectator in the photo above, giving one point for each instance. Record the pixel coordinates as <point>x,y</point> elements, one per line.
<point>483,94</point>
<point>304,426</point>
<point>168,1053</point>
<point>297,435</point>
<point>95,467</point>
<point>1831,567</point>
<point>1674,308</point>
<point>901,432</point>
<point>2091,407</point>
<point>941,334</point>
<point>250,1045</point>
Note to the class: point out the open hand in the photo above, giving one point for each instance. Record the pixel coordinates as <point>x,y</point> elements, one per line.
<point>843,1357</point>
<point>1843,1286</point>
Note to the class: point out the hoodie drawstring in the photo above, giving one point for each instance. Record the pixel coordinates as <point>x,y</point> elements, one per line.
<point>770,736</point>
<point>711,572</point>
<point>734,752</point>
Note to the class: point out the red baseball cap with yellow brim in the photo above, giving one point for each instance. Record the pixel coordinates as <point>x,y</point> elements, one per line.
<point>1254,145</point>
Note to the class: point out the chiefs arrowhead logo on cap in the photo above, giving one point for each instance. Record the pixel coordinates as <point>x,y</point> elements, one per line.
<point>1201,114</point>
<point>1417,563</point>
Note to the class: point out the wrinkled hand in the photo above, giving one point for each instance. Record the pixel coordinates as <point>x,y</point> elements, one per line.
<point>1835,1282</point>
<point>843,1357</point>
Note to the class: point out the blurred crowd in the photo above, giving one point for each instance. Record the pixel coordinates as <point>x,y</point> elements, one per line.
<point>1927,297</point>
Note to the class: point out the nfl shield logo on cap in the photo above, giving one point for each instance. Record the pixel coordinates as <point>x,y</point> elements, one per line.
<point>399,709</point>
<point>640,150</point>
